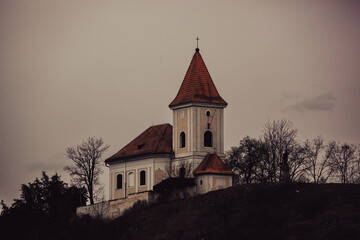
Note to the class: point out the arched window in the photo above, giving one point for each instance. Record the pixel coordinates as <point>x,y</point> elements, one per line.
<point>119,181</point>
<point>208,139</point>
<point>142,177</point>
<point>131,179</point>
<point>182,139</point>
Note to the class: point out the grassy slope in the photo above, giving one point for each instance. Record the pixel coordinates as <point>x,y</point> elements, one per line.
<point>298,211</point>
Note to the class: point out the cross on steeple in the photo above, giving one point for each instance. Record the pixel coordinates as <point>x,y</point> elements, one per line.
<point>197,44</point>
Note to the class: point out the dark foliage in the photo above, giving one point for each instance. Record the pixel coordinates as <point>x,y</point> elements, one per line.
<point>255,211</point>
<point>174,188</point>
<point>171,184</point>
<point>43,202</point>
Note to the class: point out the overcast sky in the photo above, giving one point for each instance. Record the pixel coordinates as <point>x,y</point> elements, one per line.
<point>74,69</point>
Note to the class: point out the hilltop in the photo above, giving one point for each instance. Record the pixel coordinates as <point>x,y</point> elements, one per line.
<point>257,211</point>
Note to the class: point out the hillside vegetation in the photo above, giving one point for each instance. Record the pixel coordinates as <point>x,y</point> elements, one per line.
<point>259,211</point>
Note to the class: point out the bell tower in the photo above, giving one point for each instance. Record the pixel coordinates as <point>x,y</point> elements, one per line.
<point>198,116</point>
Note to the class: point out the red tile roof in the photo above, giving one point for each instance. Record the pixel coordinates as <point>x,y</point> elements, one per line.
<point>213,164</point>
<point>154,140</point>
<point>197,85</point>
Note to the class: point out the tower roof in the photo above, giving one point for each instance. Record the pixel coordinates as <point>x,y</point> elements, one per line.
<point>213,164</point>
<point>197,85</point>
<point>154,140</point>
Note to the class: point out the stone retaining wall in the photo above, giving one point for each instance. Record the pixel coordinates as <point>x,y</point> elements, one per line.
<point>96,210</point>
<point>115,208</point>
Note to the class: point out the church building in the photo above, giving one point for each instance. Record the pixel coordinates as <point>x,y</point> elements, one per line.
<point>195,140</point>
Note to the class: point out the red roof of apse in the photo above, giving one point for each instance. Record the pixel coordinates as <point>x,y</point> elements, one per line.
<point>154,140</point>
<point>197,85</point>
<point>213,164</point>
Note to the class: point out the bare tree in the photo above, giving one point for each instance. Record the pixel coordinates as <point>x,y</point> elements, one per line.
<point>183,169</point>
<point>280,137</point>
<point>296,163</point>
<point>245,161</point>
<point>357,176</point>
<point>343,161</point>
<point>357,165</point>
<point>317,159</point>
<point>263,160</point>
<point>86,167</point>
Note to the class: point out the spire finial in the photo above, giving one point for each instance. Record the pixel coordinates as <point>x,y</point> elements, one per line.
<point>197,44</point>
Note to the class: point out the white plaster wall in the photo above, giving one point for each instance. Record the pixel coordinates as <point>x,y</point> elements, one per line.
<point>210,182</point>
<point>150,165</point>
<point>195,126</point>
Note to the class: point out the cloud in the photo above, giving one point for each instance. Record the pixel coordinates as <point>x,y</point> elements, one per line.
<point>324,102</point>
<point>288,96</point>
